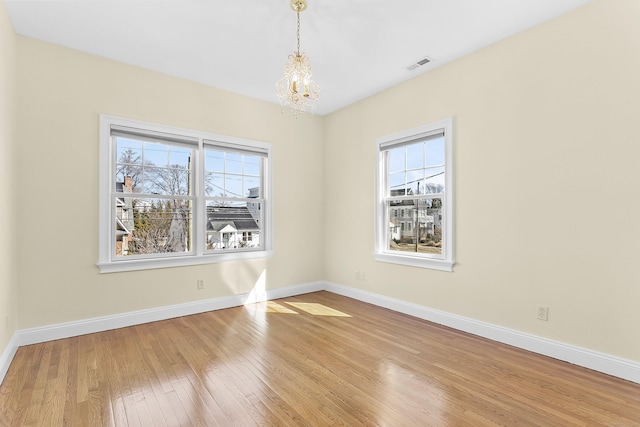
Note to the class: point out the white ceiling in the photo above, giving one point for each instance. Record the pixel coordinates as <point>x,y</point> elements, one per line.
<point>356,47</point>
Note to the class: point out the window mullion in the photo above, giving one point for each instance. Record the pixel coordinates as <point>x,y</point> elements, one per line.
<point>416,223</point>
<point>406,167</point>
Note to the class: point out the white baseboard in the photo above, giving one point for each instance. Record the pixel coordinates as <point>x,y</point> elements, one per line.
<point>611,365</point>
<point>7,355</point>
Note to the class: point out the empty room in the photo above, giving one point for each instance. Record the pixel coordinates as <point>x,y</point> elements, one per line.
<point>320,213</point>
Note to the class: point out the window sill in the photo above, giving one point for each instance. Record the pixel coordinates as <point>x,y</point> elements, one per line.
<point>149,264</point>
<point>414,261</point>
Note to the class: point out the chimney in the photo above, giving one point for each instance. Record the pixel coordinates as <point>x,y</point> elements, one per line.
<point>128,183</point>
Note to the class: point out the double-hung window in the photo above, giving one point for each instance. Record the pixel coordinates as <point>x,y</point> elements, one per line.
<point>172,197</point>
<point>414,206</point>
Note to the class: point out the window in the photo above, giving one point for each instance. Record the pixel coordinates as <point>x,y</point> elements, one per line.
<point>415,175</point>
<point>172,197</point>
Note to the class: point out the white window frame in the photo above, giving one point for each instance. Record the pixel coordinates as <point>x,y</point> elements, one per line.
<point>445,261</point>
<point>107,260</point>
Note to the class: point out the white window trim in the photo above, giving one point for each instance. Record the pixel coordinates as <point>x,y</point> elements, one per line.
<point>106,215</point>
<point>381,220</point>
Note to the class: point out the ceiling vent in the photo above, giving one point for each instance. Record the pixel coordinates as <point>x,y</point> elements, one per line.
<point>419,63</point>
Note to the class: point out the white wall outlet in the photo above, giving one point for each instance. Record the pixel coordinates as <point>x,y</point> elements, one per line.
<point>543,312</point>
<point>360,276</point>
<point>200,283</point>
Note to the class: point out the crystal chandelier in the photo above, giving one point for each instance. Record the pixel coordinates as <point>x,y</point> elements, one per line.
<point>296,89</point>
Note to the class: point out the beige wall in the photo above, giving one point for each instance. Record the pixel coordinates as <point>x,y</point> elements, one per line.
<point>8,278</point>
<point>61,94</point>
<point>547,185</point>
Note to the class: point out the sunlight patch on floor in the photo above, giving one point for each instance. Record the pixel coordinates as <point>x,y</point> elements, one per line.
<point>262,307</point>
<point>274,307</point>
<point>317,309</point>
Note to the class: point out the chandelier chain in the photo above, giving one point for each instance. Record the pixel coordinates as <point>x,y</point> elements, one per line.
<point>298,32</point>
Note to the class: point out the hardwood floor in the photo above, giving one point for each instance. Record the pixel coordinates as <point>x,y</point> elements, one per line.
<point>317,359</point>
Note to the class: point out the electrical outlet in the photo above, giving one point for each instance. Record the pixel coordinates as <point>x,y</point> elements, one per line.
<point>543,312</point>
<point>360,275</point>
<point>200,284</point>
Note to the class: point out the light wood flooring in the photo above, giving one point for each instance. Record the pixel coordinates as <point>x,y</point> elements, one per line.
<point>313,360</point>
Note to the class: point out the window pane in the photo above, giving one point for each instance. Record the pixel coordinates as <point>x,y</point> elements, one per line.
<point>129,163</point>
<point>251,186</point>
<point>152,226</point>
<point>214,184</point>
<point>423,233</point>
<point>415,156</point>
<point>232,185</point>
<point>433,182</point>
<point>214,161</point>
<point>397,184</point>
<point>156,154</point>
<point>128,151</point>
<point>414,179</point>
<point>233,225</point>
<point>397,159</point>
<point>435,152</point>
<point>252,165</point>
<point>166,181</point>
<point>180,157</point>
<point>150,178</point>
<point>430,225</point>
<point>128,175</point>
<point>233,163</point>
<point>174,182</point>
<point>400,238</point>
